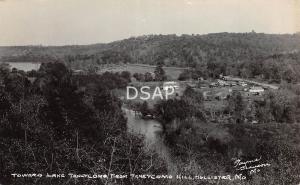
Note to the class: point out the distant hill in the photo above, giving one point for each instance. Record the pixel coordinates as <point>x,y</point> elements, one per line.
<point>172,50</point>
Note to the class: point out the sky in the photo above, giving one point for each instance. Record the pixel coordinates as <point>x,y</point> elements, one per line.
<point>72,22</point>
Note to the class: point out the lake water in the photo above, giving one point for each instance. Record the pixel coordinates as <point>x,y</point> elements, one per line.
<point>25,66</point>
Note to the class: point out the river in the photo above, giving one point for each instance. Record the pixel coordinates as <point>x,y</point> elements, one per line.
<point>150,130</point>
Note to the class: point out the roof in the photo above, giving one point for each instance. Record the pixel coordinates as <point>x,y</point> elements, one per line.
<point>172,83</point>
<point>78,71</point>
<point>256,89</point>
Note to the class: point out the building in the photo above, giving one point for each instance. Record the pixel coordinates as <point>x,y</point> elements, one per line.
<point>171,84</point>
<point>79,72</point>
<point>243,84</point>
<point>232,83</point>
<point>222,83</point>
<point>213,84</point>
<point>226,78</point>
<point>256,90</point>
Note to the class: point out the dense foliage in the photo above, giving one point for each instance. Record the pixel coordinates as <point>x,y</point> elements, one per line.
<point>56,126</point>
<point>200,146</point>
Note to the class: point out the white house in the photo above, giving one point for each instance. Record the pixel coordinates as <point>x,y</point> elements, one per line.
<point>243,84</point>
<point>256,90</point>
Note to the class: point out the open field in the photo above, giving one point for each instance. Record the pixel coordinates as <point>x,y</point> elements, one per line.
<point>171,72</point>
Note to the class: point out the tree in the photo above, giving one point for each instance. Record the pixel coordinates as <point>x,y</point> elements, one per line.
<point>144,108</point>
<point>17,85</point>
<point>148,77</point>
<point>185,75</point>
<point>126,75</point>
<point>160,74</point>
<point>5,104</point>
<point>4,70</point>
<point>193,98</point>
<point>290,76</point>
<point>283,105</point>
<point>237,107</point>
<point>139,76</point>
<point>172,109</point>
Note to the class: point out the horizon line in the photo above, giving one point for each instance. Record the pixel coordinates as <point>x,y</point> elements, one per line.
<point>130,37</point>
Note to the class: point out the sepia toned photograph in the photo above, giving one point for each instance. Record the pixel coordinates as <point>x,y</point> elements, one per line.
<point>149,92</point>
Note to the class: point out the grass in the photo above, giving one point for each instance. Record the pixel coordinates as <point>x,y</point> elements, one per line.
<point>171,72</point>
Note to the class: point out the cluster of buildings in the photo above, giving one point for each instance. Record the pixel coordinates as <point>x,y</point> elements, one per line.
<point>223,83</point>
<point>220,89</point>
<point>226,85</point>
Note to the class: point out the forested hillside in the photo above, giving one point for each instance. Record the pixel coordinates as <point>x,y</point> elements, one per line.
<point>184,50</point>
<point>188,50</point>
<point>268,57</point>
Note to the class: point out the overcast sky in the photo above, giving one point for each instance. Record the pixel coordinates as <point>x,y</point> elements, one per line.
<point>64,22</point>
